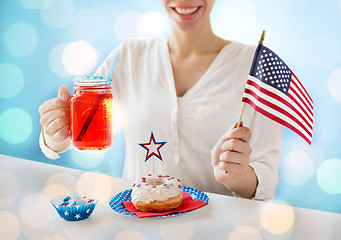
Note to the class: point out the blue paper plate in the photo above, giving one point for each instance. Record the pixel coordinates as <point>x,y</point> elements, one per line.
<point>117,205</point>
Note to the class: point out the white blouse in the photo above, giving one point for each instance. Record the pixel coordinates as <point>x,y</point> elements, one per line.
<point>145,94</point>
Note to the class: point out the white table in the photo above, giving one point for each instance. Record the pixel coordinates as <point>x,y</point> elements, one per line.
<point>26,189</point>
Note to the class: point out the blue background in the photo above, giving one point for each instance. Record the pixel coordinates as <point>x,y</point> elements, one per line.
<point>34,35</point>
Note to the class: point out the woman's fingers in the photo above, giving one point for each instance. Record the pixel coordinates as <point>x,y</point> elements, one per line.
<point>49,116</point>
<point>236,145</point>
<point>242,133</point>
<point>52,104</point>
<point>62,133</point>
<point>64,93</point>
<point>232,168</point>
<point>55,125</point>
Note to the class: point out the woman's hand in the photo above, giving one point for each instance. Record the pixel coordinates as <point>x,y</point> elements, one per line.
<point>230,159</point>
<point>55,120</point>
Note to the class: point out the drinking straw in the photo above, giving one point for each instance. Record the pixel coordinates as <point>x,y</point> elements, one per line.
<point>97,102</point>
<point>113,64</point>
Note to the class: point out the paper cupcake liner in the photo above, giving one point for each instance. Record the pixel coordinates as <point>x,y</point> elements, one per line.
<point>74,212</point>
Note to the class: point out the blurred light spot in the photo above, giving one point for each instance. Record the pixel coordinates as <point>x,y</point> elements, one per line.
<point>129,234</point>
<point>32,4</point>
<point>55,237</point>
<point>314,151</point>
<point>9,189</point>
<point>57,14</point>
<point>118,123</point>
<point>88,25</point>
<point>125,25</point>
<point>277,218</point>
<point>35,210</point>
<point>16,125</point>
<point>88,160</point>
<point>152,23</point>
<point>79,58</point>
<point>330,52</point>
<point>20,39</point>
<point>297,168</point>
<point>182,231</point>
<point>238,16</point>
<point>60,184</point>
<point>339,6</point>
<point>246,233</point>
<point>315,225</point>
<point>12,80</point>
<point>56,60</point>
<point>9,225</point>
<point>329,177</point>
<point>94,185</point>
<point>334,85</point>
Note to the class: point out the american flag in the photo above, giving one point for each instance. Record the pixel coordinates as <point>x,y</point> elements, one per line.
<point>274,90</point>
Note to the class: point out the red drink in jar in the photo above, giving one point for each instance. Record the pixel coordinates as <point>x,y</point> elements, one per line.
<point>91,113</point>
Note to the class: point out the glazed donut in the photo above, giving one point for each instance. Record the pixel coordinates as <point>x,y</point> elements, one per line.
<point>156,193</point>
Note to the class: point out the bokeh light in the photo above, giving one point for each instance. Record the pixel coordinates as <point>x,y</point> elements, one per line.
<point>56,61</point>
<point>277,218</point>
<point>9,225</point>
<point>297,168</point>
<point>329,177</point>
<point>129,234</point>
<point>55,237</point>
<point>79,58</point>
<point>20,39</point>
<point>31,211</point>
<point>334,85</point>
<point>9,189</point>
<point>32,4</point>
<point>88,25</point>
<point>57,14</point>
<point>245,232</point>
<point>183,231</point>
<point>125,25</point>
<point>314,226</point>
<point>152,23</point>
<point>95,185</point>
<point>60,184</point>
<point>236,16</point>
<point>118,122</point>
<point>88,160</point>
<point>16,125</point>
<point>12,80</point>
<point>36,212</point>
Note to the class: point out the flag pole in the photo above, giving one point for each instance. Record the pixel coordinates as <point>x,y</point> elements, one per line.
<point>243,105</point>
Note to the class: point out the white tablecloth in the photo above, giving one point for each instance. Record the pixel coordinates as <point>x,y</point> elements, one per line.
<point>27,187</point>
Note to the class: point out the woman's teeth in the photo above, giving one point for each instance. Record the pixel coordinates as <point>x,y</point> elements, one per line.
<point>186,11</point>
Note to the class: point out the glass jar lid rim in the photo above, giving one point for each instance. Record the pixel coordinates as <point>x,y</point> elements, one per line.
<point>92,80</point>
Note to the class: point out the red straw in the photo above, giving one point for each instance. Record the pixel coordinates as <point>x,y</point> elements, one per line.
<point>90,117</point>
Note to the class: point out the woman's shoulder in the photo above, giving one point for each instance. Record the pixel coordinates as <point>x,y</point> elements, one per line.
<point>142,43</point>
<point>238,50</point>
<point>243,47</point>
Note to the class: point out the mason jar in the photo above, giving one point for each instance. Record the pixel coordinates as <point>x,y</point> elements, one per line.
<point>91,113</point>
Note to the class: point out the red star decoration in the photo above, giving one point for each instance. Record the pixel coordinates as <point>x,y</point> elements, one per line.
<point>153,148</point>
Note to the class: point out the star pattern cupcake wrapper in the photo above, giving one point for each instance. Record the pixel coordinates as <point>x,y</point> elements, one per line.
<point>74,212</point>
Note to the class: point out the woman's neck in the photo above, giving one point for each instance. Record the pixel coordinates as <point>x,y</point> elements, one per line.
<point>200,41</point>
